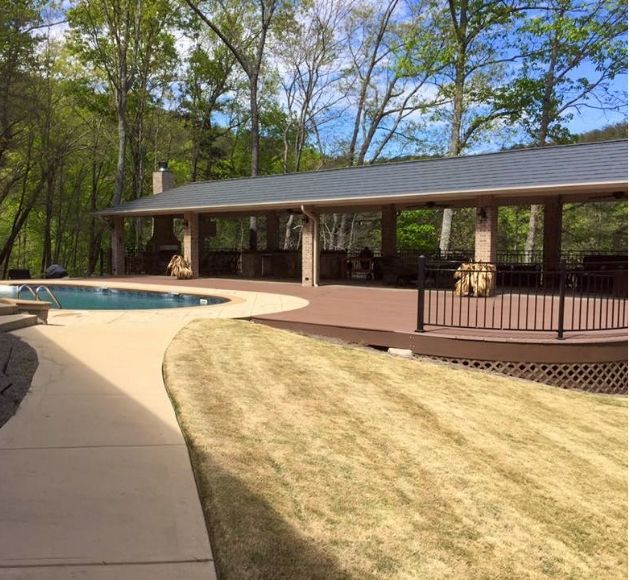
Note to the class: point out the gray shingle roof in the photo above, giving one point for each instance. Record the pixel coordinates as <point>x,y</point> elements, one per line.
<point>521,169</point>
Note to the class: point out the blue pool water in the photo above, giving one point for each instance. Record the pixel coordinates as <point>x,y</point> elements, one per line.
<point>92,298</point>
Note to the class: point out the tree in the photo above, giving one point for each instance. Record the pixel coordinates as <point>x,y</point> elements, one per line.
<point>475,77</point>
<point>208,80</point>
<point>125,40</point>
<point>417,230</point>
<point>308,50</point>
<point>243,28</point>
<point>615,131</point>
<point>19,100</point>
<point>393,56</point>
<point>573,50</point>
<point>18,21</point>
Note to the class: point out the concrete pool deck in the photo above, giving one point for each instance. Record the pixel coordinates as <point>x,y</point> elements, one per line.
<point>96,480</point>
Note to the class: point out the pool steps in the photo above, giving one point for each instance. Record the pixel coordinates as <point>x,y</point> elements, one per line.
<point>9,322</point>
<point>6,309</point>
<point>15,314</point>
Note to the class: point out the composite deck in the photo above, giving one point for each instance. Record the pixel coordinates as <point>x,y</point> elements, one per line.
<point>375,308</point>
<point>384,318</point>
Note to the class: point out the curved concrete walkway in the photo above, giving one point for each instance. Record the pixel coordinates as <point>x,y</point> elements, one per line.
<point>96,481</point>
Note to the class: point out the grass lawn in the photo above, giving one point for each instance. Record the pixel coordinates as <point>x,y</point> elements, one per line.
<point>322,461</point>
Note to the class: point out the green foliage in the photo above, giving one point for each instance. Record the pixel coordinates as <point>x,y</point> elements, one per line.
<point>602,226</point>
<point>417,230</point>
<point>560,44</point>
<point>615,131</point>
<point>186,100</point>
<point>512,229</point>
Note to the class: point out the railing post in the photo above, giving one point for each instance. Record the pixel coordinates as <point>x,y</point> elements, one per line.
<point>563,277</point>
<point>421,274</point>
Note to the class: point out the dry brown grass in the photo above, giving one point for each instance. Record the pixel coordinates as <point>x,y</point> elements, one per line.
<point>322,461</point>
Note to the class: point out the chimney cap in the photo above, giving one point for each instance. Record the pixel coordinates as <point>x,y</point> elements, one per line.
<point>163,165</point>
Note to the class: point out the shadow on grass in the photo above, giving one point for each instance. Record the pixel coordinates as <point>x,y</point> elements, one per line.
<point>250,539</point>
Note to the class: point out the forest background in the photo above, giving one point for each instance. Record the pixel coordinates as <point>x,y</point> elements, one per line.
<point>95,93</point>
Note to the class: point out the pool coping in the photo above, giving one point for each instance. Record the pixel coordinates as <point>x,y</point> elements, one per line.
<point>230,299</point>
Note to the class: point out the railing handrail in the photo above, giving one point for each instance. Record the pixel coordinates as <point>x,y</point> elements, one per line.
<point>547,267</point>
<point>522,297</point>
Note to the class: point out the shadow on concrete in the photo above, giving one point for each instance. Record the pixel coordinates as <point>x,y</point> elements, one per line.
<point>18,362</point>
<point>91,479</point>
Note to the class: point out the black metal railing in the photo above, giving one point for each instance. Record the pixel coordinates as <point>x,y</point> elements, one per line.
<point>220,262</point>
<point>519,297</point>
<point>571,258</point>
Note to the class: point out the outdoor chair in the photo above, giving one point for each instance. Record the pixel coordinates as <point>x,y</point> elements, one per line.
<point>19,274</point>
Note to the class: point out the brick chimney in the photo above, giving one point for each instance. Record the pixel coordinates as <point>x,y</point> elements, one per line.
<point>162,178</point>
<point>163,243</point>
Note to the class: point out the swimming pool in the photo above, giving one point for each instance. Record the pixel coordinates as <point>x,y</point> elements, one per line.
<point>95,298</point>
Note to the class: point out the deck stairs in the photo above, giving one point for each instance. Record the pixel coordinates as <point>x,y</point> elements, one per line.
<point>12,319</point>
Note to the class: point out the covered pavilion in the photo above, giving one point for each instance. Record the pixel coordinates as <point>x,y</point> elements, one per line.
<point>549,176</point>
<point>543,321</point>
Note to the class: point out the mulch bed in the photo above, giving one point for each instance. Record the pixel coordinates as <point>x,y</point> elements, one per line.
<point>18,362</point>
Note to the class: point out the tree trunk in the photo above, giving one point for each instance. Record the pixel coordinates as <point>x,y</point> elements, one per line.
<point>194,160</point>
<point>287,232</point>
<point>122,146</point>
<point>94,241</point>
<point>530,241</point>
<point>351,232</point>
<point>18,222</point>
<point>47,238</point>
<point>255,143</point>
<point>445,232</point>
<point>341,232</point>
<point>454,147</point>
<point>546,116</point>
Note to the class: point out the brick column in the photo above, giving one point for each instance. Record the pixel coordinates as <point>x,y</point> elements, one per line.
<point>191,241</point>
<point>388,230</point>
<point>310,252</point>
<point>118,246</point>
<point>486,230</point>
<point>273,230</point>
<point>552,231</point>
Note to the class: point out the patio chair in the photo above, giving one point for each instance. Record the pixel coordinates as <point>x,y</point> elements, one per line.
<point>19,274</point>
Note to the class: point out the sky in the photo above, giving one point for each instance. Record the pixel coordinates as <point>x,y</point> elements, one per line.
<point>589,118</point>
<point>586,119</point>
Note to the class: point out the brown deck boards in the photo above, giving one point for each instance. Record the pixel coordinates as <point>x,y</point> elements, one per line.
<point>374,308</point>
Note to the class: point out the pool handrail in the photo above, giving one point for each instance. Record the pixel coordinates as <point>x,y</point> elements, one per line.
<point>50,293</point>
<point>26,287</point>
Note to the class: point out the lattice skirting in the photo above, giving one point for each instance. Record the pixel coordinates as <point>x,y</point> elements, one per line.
<point>601,377</point>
